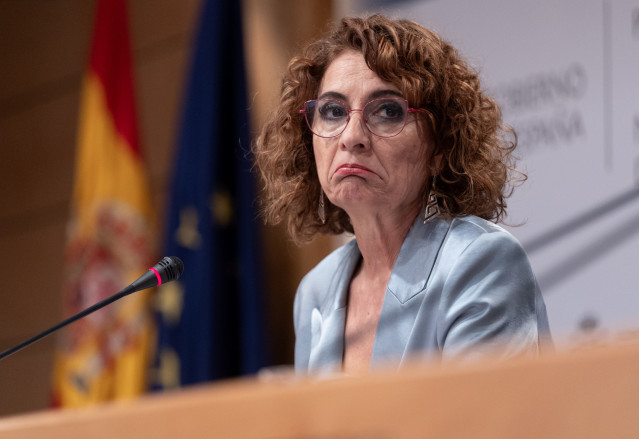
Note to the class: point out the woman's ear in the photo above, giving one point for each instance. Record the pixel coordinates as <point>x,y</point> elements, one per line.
<point>436,163</point>
<point>435,159</point>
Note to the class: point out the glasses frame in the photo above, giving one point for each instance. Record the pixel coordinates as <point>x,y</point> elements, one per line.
<point>349,111</point>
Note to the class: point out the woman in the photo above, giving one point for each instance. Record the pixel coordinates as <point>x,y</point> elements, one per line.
<point>383,131</point>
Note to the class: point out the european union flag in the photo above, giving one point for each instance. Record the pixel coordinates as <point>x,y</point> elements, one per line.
<point>211,321</point>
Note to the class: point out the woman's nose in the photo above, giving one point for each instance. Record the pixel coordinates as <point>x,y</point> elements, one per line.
<point>355,134</point>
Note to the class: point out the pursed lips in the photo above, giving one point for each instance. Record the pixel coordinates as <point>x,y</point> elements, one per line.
<point>352,169</point>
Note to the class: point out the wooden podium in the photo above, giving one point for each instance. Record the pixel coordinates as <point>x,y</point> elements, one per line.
<point>590,394</point>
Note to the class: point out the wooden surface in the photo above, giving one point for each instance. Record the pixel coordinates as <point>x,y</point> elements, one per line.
<point>592,394</point>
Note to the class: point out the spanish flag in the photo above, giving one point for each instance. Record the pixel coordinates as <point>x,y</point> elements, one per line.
<point>105,355</point>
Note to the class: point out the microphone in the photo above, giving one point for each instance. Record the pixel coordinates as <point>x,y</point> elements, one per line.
<point>170,268</point>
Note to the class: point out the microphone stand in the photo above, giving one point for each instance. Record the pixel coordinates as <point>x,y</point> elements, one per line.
<point>170,268</point>
<point>125,292</point>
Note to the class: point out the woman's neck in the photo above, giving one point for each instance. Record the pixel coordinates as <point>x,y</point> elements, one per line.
<point>380,239</point>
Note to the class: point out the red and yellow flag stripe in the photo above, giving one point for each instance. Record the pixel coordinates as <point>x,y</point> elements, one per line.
<point>105,355</point>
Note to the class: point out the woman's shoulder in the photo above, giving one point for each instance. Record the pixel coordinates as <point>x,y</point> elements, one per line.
<point>325,285</point>
<point>471,238</point>
<point>335,259</point>
<point>467,229</point>
<point>476,225</point>
<point>468,237</point>
<point>333,268</point>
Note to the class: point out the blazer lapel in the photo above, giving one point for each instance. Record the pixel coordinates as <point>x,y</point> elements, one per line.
<point>407,284</point>
<point>329,319</point>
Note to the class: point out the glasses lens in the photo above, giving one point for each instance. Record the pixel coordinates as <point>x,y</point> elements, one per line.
<point>383,117</point>
<point>326,117</point>
<point>386,117</point>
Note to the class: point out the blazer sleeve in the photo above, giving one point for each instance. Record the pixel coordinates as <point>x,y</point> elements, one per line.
<point>490,303</point>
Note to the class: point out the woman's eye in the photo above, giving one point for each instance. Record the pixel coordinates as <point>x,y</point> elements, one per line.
<point>389,110</point>
<point>332,111</point>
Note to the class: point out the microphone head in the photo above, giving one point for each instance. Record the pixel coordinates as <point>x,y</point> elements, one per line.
<point>170,268</point>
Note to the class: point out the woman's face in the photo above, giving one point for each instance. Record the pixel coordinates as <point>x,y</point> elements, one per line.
<point>361,172</point>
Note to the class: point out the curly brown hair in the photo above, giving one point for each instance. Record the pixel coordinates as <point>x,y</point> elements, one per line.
<point>476,173</point>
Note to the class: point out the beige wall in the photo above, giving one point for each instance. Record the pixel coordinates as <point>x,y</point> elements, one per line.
<point>43,52</point>
<point>275,29</point>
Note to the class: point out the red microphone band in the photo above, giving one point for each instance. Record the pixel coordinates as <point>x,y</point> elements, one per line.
<point>156,275</point>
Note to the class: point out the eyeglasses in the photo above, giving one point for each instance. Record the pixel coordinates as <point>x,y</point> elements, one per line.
<point>382,117</point>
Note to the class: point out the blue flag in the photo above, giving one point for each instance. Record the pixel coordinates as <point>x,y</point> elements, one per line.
<point>211,321</point>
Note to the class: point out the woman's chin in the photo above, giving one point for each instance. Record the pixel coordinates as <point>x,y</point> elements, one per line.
<point>357,202</point>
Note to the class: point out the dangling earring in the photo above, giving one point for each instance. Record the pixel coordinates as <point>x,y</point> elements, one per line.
<point>432,208</point>
<point>320,208</point>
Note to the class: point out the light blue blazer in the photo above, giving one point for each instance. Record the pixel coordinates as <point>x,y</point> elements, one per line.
<point>460,288</point>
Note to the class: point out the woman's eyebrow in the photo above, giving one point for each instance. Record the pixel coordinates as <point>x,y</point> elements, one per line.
<point>382,93</point>
<point>385,93</point>
<point>333,95</point>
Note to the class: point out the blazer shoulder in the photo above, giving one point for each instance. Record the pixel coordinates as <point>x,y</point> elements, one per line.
<point>332,262</point>
<point>319,287</point>
<point>464,231</point>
